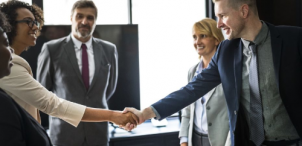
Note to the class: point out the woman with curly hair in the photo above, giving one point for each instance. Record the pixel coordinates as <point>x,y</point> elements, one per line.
<point>17,127</point>
<point>32,14</point>
<point>26,21</point>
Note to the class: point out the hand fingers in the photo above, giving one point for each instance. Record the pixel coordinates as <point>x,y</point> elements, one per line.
<point>135,118</point>
<point>127,127</point>
<point>124,127</point>
<point>127,109</point>
<point>131,109</point>
<point>130,119</point>
<point>132,126</point>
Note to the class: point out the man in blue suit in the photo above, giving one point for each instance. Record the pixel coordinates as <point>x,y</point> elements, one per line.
<point>279,79</point>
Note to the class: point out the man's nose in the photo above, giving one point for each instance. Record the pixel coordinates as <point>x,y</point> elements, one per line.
<point>219,23</point>
<point>84,21</point>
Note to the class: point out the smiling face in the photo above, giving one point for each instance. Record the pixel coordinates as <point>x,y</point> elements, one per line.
<point>5,55</point>
<point>26,35</point>
<point>83,23</point>
<point>229,19</point>
<point>204,45</point>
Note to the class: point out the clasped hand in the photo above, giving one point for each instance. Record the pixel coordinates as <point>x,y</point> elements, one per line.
<point>131,117</point>
<point>122,119</point>
<point>139,114</point>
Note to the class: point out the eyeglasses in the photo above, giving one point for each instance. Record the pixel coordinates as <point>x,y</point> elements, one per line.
<point>11,49</point>
<point>30,23</point>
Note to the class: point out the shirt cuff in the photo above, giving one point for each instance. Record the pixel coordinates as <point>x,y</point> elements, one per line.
<point>183,139</point>
<point>74,113</point>
<point>157,116</point>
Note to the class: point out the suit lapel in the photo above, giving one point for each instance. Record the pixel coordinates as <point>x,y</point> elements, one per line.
<point>98,56</point>
<point>276,43</point>
<point>238,67</point>
<point>210,94</point>
<point>70,53</point>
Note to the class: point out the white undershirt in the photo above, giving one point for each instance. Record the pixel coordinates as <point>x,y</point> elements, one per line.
<point>78,51</point>
<point>200,123</point>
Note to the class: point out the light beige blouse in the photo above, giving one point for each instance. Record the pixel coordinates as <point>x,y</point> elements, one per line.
<point>32,96</point>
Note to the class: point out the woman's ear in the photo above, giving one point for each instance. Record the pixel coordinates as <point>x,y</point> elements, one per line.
<point>216,43</point>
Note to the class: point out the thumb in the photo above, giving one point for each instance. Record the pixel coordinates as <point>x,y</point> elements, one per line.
<point>127,109</point>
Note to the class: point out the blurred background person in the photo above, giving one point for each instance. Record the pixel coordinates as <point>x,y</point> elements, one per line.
<point>82,69</point>
<point>205,122</point>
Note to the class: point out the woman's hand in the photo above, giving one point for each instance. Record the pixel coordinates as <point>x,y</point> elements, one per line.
<point>120,118</point>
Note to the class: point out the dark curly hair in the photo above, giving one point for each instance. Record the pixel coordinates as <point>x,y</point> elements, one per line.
<point>4,25</point>
<point>9,9</point>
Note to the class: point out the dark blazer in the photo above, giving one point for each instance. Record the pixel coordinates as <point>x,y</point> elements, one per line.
<point>226,68</point>
<point>58,70</point>
<point>17,127</point>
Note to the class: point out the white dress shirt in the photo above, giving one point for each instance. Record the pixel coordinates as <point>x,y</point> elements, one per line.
<point>78,51</point>
<point>200,116</point>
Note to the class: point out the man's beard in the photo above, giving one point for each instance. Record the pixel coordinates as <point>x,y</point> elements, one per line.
<point>85,33</point>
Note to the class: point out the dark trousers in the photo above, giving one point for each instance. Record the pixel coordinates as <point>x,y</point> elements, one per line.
<point>199,139</point>
<point>296,142</point>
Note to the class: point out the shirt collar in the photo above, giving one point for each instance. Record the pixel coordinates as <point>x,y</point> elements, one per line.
<point>200,66</point>
<point>260,38</point>
<point>78,43</point>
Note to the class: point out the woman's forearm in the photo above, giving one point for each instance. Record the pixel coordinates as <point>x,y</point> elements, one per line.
<point>102,115</point>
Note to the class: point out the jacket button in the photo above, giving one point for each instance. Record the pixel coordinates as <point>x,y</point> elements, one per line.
<point>235,112</point>
<point>208,108</point>
<point>210,124</point>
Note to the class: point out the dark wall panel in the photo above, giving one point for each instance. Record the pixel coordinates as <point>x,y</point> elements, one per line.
<point>280,12</point>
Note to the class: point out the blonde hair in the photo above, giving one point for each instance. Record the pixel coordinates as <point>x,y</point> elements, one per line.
<point>209,28</point>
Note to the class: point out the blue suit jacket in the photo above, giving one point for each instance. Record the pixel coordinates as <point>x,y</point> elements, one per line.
<point>226,68</point>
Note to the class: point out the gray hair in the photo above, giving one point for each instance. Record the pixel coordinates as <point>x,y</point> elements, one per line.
<point>84,4</point>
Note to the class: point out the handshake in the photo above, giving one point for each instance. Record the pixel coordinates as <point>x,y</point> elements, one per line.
<point>131,117</point>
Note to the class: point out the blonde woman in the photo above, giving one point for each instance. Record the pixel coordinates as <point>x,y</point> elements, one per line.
<point>205,122</point>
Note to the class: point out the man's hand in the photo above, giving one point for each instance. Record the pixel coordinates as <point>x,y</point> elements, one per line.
<point>120,118</point>
<point>146,114</point>
<point>184,144</point>
<point>138,113</point>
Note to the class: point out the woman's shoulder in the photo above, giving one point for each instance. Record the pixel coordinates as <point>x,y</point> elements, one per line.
<point>19,60</point>
<point>20,63</point>
<point>193,68</point>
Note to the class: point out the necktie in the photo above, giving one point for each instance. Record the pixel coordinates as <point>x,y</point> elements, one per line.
<point>85,66</point>
<point>256,119</point>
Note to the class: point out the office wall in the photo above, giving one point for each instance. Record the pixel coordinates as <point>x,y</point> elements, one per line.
<point>280,12</point>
